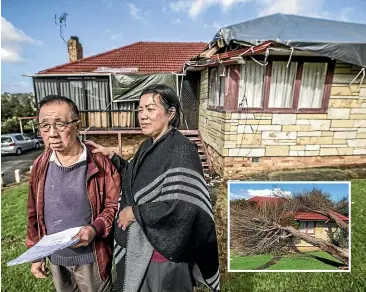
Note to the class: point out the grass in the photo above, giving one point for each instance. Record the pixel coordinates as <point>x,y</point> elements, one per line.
<point>248,262</point>
<point>304,262</point>
<point>13,231</point>
<point>19,278</point>
<point>287,262</point>
<point>303,282</point>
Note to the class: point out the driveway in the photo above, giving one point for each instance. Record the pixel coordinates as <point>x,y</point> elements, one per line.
<point>9,163</point>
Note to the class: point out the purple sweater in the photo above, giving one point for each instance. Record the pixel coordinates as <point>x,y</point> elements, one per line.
<point>66,205</point>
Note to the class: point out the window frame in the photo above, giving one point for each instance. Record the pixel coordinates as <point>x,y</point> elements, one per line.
<point>306,227</point>
<point>232,87</point>
<point>218,87</point>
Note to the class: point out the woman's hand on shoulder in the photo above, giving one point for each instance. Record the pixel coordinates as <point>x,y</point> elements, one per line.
<point>100,149</point>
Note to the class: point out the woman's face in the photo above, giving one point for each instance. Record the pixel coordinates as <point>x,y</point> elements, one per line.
<point>153,118</point>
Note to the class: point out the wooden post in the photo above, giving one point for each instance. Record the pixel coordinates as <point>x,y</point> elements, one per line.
<point>33,126</point>
<point>120,143</point>
<point>21,126</point>
<point>17,175</point>
<point>2,180</point>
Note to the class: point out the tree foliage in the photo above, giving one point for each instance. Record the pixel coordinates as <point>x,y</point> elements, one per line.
<point>13,106</point>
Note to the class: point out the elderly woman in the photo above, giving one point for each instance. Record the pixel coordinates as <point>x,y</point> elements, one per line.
<point>165,236</point>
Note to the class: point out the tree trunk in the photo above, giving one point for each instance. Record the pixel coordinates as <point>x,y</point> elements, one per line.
<point>343,225</point>
<point>335,251</point>
<point>330,214</point>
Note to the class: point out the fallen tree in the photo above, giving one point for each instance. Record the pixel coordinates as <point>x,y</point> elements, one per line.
<point>271,227</point>
<point>319,202</point>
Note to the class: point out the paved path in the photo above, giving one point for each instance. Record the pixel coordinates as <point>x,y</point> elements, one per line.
<point>9,163</point>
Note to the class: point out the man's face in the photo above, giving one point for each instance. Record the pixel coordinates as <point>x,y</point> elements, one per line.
<point>152,116</point>
<point>59,140</point>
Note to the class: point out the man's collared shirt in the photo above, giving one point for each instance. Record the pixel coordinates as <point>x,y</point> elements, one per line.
<point>82,157</point>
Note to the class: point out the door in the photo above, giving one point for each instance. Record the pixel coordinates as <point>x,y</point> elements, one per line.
<point>28,142</point>
<point>20,142</point>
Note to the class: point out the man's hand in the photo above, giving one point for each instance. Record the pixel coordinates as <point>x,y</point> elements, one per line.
<point>86,235</point>
<point>39,270</point>
<point>125,218</point>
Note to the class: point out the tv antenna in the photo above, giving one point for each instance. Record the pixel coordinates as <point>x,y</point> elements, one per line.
<point>61,21</point>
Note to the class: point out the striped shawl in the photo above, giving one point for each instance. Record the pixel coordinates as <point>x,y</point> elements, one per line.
<point>164,184</point>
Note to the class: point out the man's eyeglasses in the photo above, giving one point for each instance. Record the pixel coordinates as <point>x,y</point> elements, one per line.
<point>59,126</point>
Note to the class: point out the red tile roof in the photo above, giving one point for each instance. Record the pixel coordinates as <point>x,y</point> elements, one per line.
<point>314,216</point>
<point>304,216</point>
<point>148,57</point>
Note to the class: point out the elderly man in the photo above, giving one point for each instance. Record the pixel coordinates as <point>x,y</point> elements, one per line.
<point>69,187</point>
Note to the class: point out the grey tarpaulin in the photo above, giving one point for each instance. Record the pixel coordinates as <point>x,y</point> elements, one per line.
<point>334,39</point>
<point>129,87</point>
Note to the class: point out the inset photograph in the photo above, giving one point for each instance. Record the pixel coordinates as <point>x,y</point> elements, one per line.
<point>289,226</point>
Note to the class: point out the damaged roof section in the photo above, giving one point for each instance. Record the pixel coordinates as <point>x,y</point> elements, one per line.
<point>334,39</point>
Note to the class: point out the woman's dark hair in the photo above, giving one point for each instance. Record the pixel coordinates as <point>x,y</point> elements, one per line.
<point>52,99</point>
<point>168,99</point>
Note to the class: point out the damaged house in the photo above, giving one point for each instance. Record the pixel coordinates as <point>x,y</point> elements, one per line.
<point>283,92</point>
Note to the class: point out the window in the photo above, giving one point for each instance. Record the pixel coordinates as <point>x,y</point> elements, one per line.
<point>96,92</point>
<point>6,140</point>
<point>90,94</point>
<point>19,138</point>
<point>301,86</point>
<point>281,90</point>
<point>73,90</point>
<point>307,227</point>
<point>217,86</point>
<point>312,85</point>
<point>251,85</point>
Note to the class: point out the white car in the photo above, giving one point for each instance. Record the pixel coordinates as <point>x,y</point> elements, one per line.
<point>17,143</point>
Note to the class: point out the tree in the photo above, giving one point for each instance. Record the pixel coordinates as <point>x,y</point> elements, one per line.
<point>317,201</point>
<point>17,105</point>
<point>271,227</point>
<point>14,106</point>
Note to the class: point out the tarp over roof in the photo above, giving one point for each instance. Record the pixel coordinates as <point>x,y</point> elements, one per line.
<point>334,39</point>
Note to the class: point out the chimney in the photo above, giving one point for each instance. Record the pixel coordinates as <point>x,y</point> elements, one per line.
<point>74,49</point>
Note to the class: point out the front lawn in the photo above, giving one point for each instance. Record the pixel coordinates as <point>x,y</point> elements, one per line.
<point>305,262</point>
<point>248,262</point>
<point>287,262</point>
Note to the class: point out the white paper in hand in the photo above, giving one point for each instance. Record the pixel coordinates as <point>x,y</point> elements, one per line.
<point>47,246</point>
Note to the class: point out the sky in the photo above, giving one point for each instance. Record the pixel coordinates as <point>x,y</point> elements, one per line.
<point>31,42</point>
<point>337,190</point>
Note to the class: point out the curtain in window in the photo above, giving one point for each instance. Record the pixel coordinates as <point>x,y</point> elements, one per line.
<point>310,225</point>
<point>97,94</point>
<point>282,85</point>
<point>312,85</point>
<point>123,119</point>
<point>74,91</point>
<point>251,84</point>
<point>45,87</point>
